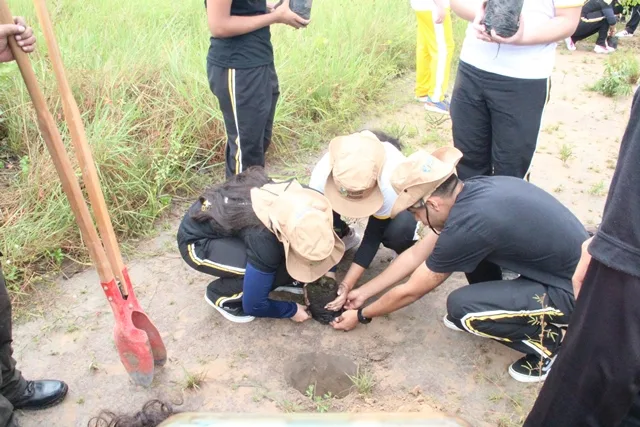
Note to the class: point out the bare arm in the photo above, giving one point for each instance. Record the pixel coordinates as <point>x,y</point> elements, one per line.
<point>399,269</point>
<point>562,26</point>
<point>466,9</point>
<point>224,25</point>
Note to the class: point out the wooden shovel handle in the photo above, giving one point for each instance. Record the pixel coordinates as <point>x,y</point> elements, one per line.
<point>82,149</point>
<point>56,148</point>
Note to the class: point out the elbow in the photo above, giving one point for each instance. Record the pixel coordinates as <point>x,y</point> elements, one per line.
<point>218,32</point>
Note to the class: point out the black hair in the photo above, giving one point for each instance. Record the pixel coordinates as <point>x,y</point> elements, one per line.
<point>152,414</point>
<point>385,137</point>
<point>227,206</point>
<point>447,188</point>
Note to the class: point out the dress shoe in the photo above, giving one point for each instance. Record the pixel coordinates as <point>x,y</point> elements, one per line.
<point>41,394</point>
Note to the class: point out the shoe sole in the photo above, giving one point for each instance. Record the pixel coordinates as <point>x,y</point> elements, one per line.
<point>229,317</point>
<point>527,378</point>
<point>435,110</point>
<point>290,289</point>
<point>449,324</point>
<point>46,406</point>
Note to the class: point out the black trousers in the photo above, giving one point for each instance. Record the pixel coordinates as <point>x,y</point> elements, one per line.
<point>510,311</point>
<point>248,99</point>
<point>13,385</point>
<point>596,379</point>
<point>587,29</point>
<point>226,259</point>
<point>496,121</point>
<point>634,18</point>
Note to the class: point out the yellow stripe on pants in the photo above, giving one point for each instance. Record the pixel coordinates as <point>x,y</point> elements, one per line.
<point>434,51</point>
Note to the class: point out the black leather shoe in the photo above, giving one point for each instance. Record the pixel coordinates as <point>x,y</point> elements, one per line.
<point>42,394</point>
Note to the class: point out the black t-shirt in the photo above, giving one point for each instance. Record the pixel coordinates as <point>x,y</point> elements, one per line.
<point>247,50</point>
<point>617,242</point>
<point>264,251</point>
<point>515,225</point>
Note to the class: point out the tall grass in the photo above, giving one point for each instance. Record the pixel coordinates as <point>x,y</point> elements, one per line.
<point>137,70</point>
<point>621,74</point>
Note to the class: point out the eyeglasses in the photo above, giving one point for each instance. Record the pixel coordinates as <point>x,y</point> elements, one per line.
<point>418,205</point>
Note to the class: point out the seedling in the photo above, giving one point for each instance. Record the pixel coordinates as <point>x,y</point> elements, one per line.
<point>566,153</point>
<point>598,189</point>
<point>193,381</point>
<point>363,381</point>
<point>322,403</point>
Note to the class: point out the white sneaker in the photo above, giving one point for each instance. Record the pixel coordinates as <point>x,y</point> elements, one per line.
<point>603,49</point>
<point>423,99</point>
<point>624,33</point>
<point>570,44</point>
<point>449,324</point>
<point>351,240</point>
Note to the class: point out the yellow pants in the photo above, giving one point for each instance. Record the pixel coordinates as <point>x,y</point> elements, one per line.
<point>434,50</point>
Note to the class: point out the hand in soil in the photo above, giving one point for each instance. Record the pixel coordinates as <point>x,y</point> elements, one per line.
<point>340,301</point>
<point>347,321</point>
<point>355,300</point>
<point>301,315</point>
<point>288,17</point>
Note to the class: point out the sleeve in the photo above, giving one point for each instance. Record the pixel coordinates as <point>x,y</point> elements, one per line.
<point>567,4</point>
<point>458,249</point>
<point>320,174</point>
<point>371,241</point>
<point>608,13</point>
<point>264,251</point>
<point>255,297</point>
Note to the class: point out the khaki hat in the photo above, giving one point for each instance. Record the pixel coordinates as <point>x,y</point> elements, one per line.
<point>353,184</point>
<point>419,176</point>
<point>302,220</point>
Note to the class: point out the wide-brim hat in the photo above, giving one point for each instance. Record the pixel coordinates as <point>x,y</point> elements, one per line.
<point>302,219</point>
<point>353,184</point>
<point>419,176</point>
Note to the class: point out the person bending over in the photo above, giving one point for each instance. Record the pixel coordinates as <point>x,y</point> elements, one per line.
<point>478,227</point>
<point>597,17</point>
<point>255,235</point>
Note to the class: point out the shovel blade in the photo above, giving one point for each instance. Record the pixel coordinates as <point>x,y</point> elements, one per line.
<point>141,321</point>
<point>135,353</point>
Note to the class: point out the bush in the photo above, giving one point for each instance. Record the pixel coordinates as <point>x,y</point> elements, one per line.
<point>621,73</point>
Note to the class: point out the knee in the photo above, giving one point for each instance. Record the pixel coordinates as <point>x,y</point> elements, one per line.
<point>458,304</point>
<point>254,307</point>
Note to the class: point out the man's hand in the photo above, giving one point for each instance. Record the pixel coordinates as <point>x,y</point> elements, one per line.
<point>478,23</point>
<point>355,299</point>
<point>612,31</point>
<point>301,315</point>
<point>339,302</point>
<point>286,16</point>
<point>439,15</point>
<point>24,36</point>
<point>514,39</point>
<point>581,268</point>
<point>347,321</point>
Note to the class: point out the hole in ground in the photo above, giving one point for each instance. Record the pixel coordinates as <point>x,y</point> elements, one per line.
<point>325,372</point>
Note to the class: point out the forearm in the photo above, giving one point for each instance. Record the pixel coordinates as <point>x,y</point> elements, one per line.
<point>353,275</point>
<point>440,4</point>
<point>550,31</point>
<point>255,298</point>
<point>231,26</point>
<point>466,9</point>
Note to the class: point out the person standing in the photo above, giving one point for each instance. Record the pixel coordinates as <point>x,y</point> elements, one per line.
<point>596,377</point>
<point>434,50</point>
<point>502,85</point>
<point>15,391</point>
<point>242,74</point>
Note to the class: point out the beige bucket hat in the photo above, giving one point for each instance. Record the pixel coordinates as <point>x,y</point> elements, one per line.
<point>302,219</point>
<point>353,185</point>
<point>419,176</point>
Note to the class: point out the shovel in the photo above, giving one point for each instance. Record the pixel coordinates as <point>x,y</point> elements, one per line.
<point>137,339</point>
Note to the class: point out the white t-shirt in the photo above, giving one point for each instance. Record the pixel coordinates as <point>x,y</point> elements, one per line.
<point>425,5</point>
<point>393,158</point>
<point>522,62</point>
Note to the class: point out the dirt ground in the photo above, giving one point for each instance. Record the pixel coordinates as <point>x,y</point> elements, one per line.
<point>418,365</point>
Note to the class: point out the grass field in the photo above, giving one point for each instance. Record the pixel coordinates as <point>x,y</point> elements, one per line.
<point>138,73</point>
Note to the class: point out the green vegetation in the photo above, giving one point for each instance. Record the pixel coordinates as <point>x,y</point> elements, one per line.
<point>621,74</point>
<point>137,70</point>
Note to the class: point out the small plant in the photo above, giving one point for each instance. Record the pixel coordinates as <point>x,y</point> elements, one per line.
<point>621,73</point>
<point>363,381</point>
<point>598,189</point>
<point>80,401</point>
<point>193,381</point>
<point>559,189</point>
<point>289,407</point>
<point>552,128</point>
<point>322,403</point>
<point>566,153</point>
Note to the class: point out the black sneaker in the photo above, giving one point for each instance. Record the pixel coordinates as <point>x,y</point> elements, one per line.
<point>229,306</point>
<point>529,369</point>
<point>294,287</point>
<point>449,323</point>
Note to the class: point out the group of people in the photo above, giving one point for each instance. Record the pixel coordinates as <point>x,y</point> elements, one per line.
<point>481,216</point>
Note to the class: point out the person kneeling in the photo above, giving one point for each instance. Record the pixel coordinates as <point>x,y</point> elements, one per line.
<point>256,235</point>
<point>480,226</point>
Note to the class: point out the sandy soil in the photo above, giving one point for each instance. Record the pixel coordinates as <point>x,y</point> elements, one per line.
<point>418,365</point>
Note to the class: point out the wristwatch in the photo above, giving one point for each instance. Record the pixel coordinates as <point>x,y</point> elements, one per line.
<point>361,318</point>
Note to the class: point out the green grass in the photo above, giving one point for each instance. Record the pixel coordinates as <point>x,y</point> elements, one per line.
<point>621,74</point>
<point>137,70</point>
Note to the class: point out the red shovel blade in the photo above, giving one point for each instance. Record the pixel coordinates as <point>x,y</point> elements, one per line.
<point>137,339</point>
